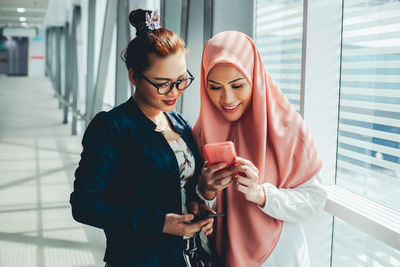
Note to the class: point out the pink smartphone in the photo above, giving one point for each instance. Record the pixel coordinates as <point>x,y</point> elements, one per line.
<point>220,152</point>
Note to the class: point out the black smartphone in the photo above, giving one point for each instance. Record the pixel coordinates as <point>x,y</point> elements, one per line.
<point>207,215</point>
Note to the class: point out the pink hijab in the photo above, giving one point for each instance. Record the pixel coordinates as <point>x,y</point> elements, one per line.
<point>270,133</point>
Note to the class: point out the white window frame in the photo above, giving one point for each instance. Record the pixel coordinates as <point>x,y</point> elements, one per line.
<point>368,216</point>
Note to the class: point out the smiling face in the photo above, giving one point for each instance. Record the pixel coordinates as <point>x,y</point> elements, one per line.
<point>229,91</point>
<point>162,69</point>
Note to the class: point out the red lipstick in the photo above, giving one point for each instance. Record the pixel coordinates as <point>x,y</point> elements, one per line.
<point>170,102</point>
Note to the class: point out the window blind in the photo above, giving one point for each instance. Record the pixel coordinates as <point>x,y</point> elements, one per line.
<point>278,35</point>
<point>369,116</point>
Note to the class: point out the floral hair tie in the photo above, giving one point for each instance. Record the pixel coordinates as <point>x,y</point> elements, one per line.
<point>153,22</point>
<point>150,24</point>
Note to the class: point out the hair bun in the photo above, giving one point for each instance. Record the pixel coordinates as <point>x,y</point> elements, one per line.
<point>137,17</point>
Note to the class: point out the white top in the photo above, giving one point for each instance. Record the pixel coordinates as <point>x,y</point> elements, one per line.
<point>186,165</point>
<point>291,206</point>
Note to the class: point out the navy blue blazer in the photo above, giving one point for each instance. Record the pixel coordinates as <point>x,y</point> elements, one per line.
<point>127,180</point>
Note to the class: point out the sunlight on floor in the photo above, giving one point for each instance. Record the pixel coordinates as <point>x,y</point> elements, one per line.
<point>38,157</point>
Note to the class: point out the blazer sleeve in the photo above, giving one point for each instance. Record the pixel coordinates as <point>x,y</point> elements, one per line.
<point>96,168</point>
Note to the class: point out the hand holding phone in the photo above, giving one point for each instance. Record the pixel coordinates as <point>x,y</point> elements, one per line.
<point>220,152</point>
<point>201,217</point>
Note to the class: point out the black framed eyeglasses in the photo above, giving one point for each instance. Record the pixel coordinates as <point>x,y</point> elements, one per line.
<point>165,88</point>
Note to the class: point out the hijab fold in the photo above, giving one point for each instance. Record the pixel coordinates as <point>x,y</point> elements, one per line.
<point>270,133</point>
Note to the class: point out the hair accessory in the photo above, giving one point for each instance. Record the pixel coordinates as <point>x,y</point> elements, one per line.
<point>153,22</point>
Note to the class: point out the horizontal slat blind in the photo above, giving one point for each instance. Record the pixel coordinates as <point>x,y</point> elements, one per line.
<point>369,117</point>
<point>278,31</point>
<point>368,161</point>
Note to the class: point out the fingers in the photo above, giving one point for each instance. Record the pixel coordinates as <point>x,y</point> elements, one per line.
<point>219,184</point>
<point>242,188</point>
<point>200,224</point>
<point>188,231</point>
<point>245,162</point>
<point>204,209</point>
<point>216,167</point>
<point>203,225</point>
<point>243,168</point>
<point>194,207</point>
<point>243,181</point>
<point>209,231</point>
<point>224,181</point>
<point>215,181</point>
<point>185,218</point>
<point>208,228</point>
<point>181,225</point>
<point>248,163</point>
<point>246,172</point>
<point>207,208</point>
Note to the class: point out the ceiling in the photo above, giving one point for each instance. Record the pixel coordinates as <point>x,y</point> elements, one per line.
<point>35,11</point>
<point>38,13</point>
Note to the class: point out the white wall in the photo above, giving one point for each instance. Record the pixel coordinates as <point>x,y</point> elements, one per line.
<point>37,54</point>
<point>191,97</point>
<point>321,100</point>
<point>235,15</point>
<point>172,15</point>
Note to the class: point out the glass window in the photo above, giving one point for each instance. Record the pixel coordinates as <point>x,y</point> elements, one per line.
<point>351,247</point>
<point>368,160</point>
<point>369,117</point>
<point>278,35</point>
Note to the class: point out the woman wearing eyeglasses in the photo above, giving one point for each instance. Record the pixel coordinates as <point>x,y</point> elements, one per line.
<point>136,158</point>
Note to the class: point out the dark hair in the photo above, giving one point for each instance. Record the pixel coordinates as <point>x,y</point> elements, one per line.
<point>160,42</point>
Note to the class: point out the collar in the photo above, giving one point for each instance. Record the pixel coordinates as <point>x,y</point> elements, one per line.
<point>134,108</point>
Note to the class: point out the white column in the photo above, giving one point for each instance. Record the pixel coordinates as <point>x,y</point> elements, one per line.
<point>191,99</point>
<point>321,98</point>
<point>235,15</point>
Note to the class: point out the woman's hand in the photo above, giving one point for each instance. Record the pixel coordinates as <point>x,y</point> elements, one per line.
<point>246,181</point>
<point>181,225</point>
<point>199,209</point>
<point>214,179</point>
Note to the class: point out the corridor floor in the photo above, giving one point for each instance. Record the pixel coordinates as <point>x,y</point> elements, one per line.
<point>38,157</point>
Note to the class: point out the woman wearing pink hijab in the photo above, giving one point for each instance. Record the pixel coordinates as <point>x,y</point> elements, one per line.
<point>275,184</point>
